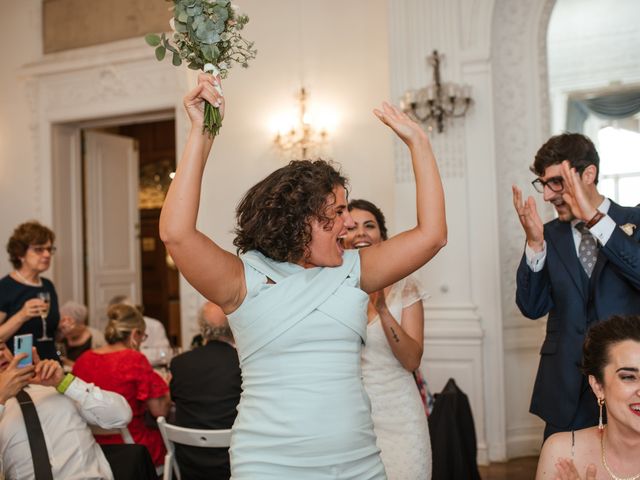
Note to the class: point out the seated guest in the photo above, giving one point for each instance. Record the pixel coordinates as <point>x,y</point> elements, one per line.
<point>611,360</point>
<point>78,337</point>
<point>156,345</point>
<point>64,405</point>
<point>205,386</point>
<point>120,367</point>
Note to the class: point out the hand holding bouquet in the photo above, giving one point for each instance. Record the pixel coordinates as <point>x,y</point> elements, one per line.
<point>206,35</point>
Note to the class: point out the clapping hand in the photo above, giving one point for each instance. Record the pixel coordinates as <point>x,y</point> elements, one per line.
<point>566,470</point>
<point>574,194</point>
<point>529,219</point>
<point>47,372</point>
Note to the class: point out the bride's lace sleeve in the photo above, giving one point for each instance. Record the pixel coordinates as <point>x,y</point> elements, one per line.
<point>412,291</point>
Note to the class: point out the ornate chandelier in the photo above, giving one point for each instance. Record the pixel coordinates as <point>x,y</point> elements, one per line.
<point>302,139</point>
<point>433,104</point>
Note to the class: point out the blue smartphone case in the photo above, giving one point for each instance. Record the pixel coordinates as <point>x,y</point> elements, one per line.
<point>23,344</point>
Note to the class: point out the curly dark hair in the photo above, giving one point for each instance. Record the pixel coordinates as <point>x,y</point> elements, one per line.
<point>25,235</point>
<point>367,206</point>
<point>601,337</point>
<point>575,147</point>
<point>274,216</point>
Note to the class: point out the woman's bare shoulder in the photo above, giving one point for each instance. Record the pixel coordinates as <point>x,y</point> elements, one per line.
<point>559,443</point>
<point>577,446</point>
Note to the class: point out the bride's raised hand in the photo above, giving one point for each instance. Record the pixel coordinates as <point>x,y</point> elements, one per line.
<point>209,89</point>
<point>408,130</point>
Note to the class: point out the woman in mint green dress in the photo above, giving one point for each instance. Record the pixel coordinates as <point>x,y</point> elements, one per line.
<point>296,301</point>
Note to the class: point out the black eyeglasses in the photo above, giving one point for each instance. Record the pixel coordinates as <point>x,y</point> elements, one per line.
<point>555,184</point>
<point>40,249</point>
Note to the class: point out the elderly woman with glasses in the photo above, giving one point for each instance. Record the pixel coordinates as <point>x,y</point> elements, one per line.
<point>28,302</point>
<point>76,336</point>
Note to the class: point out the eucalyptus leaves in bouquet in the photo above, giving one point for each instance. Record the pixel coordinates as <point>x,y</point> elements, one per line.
<point>206,35</point>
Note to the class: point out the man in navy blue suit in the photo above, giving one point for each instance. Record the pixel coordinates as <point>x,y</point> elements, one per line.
<point>580,268</point>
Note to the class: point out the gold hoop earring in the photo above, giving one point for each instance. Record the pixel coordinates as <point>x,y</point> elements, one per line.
<point>600,404</point>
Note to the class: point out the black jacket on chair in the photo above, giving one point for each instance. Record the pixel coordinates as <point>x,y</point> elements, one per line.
<point>453,436</point>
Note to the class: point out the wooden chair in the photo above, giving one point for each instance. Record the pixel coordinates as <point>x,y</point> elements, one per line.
<point>172,434</point>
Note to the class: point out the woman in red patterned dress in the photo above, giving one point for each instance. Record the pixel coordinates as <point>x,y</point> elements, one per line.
<point>120,367</point>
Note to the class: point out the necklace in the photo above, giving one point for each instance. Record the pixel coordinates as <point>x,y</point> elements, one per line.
<point>606,467</point>
<point>24,280</point>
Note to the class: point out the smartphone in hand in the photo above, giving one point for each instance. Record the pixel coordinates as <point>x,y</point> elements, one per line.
<point>23,344</point>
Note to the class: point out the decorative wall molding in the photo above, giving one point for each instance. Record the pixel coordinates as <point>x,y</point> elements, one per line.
<point>417,27</point>
<point>31,92</point>
<point>522,120</point>
<point>471,326</point>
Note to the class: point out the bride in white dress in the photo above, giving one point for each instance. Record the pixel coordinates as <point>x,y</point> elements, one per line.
<point>392,352</point>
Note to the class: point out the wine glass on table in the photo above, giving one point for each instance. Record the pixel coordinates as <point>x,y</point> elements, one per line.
<point>44,313</point>
<point>165,354</point>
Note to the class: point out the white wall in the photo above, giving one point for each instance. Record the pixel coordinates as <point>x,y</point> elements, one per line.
<point>342,60</point>
<point>341,56</point>
<point>20,24</point>
<point>521,125</point>
<point>463,332</point>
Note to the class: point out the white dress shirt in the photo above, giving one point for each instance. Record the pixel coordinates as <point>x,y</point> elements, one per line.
<point>73,452</point>
<point>601,231</point>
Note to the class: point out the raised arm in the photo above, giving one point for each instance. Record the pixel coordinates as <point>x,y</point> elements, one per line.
<point>214,272</point>
<point>394,259</point>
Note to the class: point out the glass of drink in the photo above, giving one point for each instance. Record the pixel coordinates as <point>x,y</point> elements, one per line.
<point>44,313</point>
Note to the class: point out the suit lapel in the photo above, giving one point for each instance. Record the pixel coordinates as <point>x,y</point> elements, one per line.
<point>616,213</point>
<point>620,216</point>
<point>560,236</point>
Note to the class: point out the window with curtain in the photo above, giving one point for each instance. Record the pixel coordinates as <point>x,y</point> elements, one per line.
<point>618,143</point>
<point>612,121</point>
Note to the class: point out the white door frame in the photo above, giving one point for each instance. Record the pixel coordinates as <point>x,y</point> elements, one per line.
<point>67,197</point>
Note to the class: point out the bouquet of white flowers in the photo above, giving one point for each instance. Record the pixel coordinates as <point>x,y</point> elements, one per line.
<point>206,35</point>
